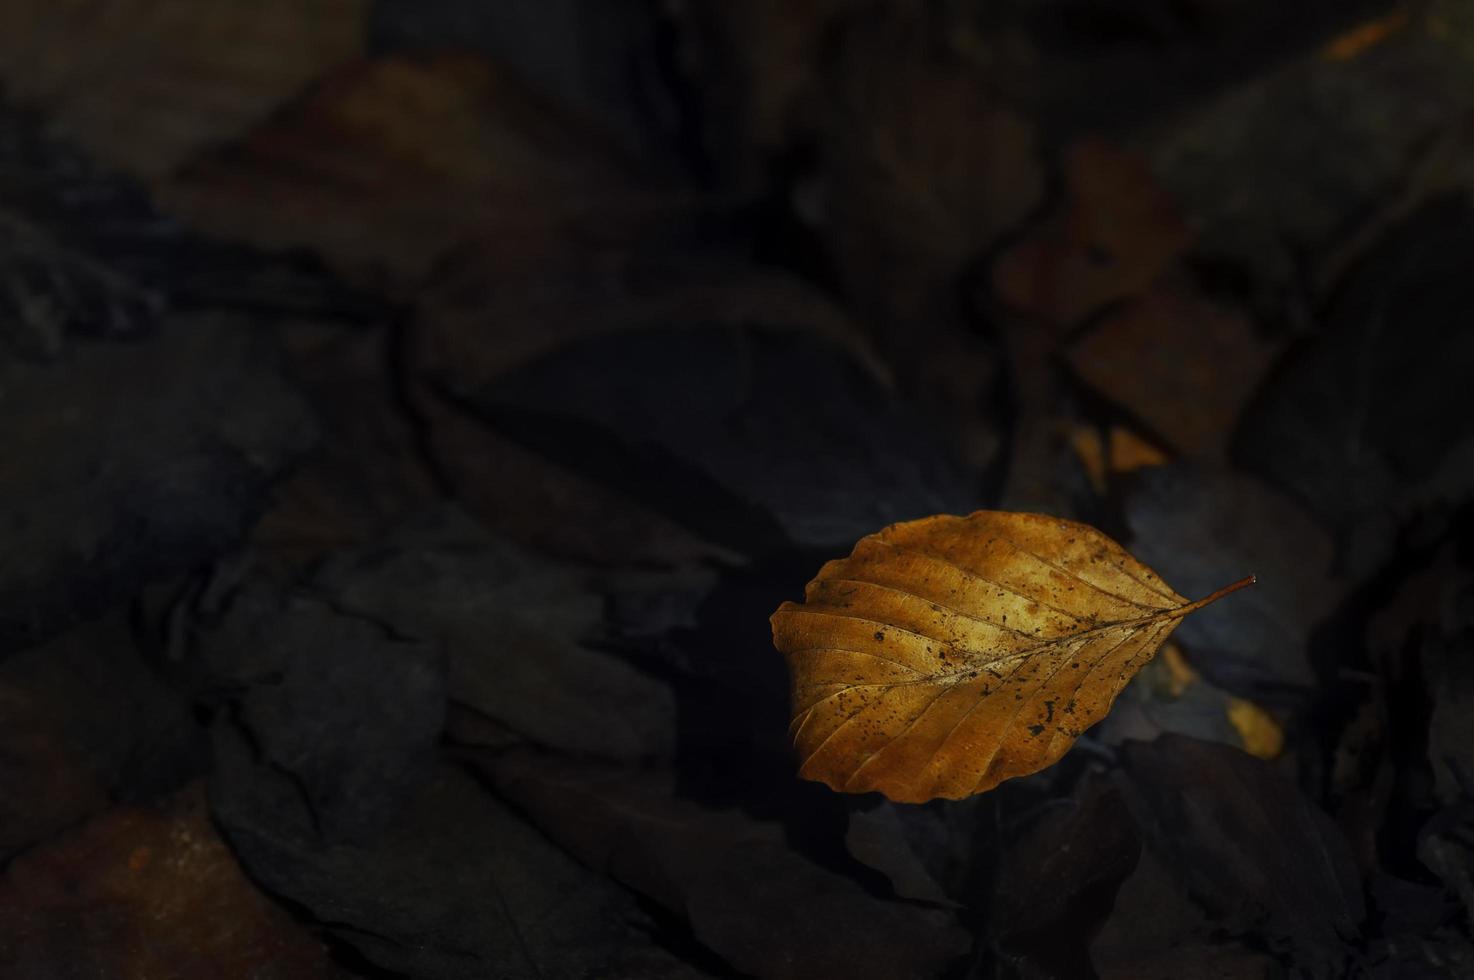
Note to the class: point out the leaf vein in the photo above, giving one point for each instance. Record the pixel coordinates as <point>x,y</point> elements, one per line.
<point>983,578</point>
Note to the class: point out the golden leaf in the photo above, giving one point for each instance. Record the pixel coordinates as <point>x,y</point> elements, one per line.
<point>948,654</point>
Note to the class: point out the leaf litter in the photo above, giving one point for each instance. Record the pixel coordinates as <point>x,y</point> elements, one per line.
<point>413,414</point>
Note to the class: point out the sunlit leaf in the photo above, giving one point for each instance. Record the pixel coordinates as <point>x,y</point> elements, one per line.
<point>948,654</point>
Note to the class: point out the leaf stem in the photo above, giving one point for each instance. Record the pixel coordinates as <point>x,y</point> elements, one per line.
<point>1242,583</point>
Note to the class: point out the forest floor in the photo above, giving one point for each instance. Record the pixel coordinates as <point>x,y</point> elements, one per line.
<point>412,412</point>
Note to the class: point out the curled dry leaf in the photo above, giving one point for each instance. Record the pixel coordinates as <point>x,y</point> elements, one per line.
<point>948,654</point>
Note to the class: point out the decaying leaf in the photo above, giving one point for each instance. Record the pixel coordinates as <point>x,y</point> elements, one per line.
<point>144,892</point>
<point>948,654</point>
<point>107,452</point>
<point>1323,429</point>
<point>747,895</point>
<point>1179,361</point>
<point>1116,232</point>
<point>145,84</point>
<point>425,152</point>
<point>1248,846</point>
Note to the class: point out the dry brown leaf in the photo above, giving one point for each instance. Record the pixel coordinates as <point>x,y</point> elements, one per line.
<point>387,164</point>
<point>923,170</point>
<point>143,892</point>
<point>500,303</point>
<point>145,84</point>
<point>546,506</point>
<point>1180,362</point>
<point>1129,452</point>
<point>1116,233</point>
<point>948,654</point>
<point>1116,452</point>
<point>369,472</point>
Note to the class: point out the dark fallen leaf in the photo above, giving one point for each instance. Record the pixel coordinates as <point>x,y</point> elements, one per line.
<point>1243,841</point>
<point>143,893</point>
<point>1169,696</point>
<point>516,630</point>
<point>350,712</point>
<point>1152,912</point>
<point>458,888</point>
<point>1045,473</point>
<point>369,471</point>
<point>507,302</point>
<point>877,839</point>
<point>145,84</point>
<point>1116,231</point>
<point>1322,141</point>
<point>1411,750</point>
<point>754,438</point>
<point>1056,882</point>
<point>1182,364</point>
<point>84,720</point>
<point>599,58</point>
<point>1362,780</point>
<point>1444,849</point>
<point>1408,908</point>
<point>498,304</point>
<point>1368,423</point>
<point>93,255</point>
<point>544,506</point>
<point>923,168</point>
<point>763,908</point>
<point>1425,633</point>
<point>1193,525</point>
<point>468,727</point>
<point>425,152</point>
<point>127,463</point>
<point>1102,65</point>
<point>1450,729</point>
<point>1446,953</point>
<point>46,785</point>
<point>1420,924</point>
